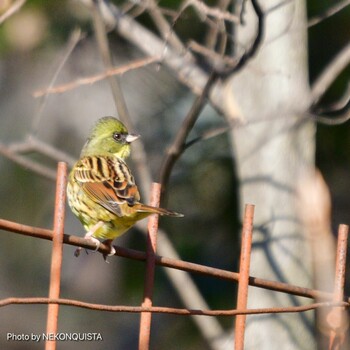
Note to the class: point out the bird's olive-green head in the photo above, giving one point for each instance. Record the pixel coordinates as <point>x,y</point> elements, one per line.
<point>108,136</point>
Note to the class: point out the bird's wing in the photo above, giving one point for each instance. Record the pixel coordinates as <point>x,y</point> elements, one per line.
<point>107,181</point>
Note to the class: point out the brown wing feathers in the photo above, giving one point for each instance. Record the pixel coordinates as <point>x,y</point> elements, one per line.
<point>108,182</point>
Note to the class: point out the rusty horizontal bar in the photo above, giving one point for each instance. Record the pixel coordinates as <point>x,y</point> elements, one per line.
<point>168,262</point>
<point>169,310</point>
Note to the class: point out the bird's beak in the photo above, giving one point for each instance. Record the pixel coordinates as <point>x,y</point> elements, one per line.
<point>131,137</point>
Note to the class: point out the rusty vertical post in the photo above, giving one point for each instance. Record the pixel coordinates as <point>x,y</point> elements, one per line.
<point>242,297</point>
<point>56,257</point>
<point>336,316</point>
<point>146,317</point>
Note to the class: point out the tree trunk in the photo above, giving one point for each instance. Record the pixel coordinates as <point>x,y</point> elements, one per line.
<point>272,151</point>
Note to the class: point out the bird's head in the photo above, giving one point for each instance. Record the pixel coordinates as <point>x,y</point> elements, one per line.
<point>108,136</point>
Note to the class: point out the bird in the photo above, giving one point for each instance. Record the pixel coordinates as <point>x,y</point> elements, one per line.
<point>101,189</point>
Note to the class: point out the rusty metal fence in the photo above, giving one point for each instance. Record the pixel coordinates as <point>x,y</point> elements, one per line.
<point>335,302</point>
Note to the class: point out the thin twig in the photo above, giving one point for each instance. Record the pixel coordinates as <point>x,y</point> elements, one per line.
<point>74,39</point>
<point>164,28</point>
<point>98,77</point>
<point>210,328</point>
<point>138,154</point>
<point>335,114</point>
<point>331,121</point>
<point>330,73</point>
<point>103,47</point>
<point>328,13</point>
<point>17,4</point>
<point>218,60</point>
<point>204,11</point>
<point>168,310</point>
<point>135,9</point>
<point>33,144</point>
<point>251,52</point>
<point>240,10</point>
<point>177,148</point>
<point>208,135</point>
<point>28,163</point>
<point>336,106</point>
<point>212,34</point>
<point>186,69</point>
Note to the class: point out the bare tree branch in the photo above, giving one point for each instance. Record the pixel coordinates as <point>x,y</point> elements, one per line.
<point>212,34</point>
<point>337,105</point>
<point>337,114</point>
<point>330,73</point>
<point>28,163</point>
<point>210,328</point>
<point>176,149</point>
<point>208,135</point>
<point>17,4</point>
<point>163,26</point>
<point>332,121</point>
<point>74,38</point>
<point>95,78</point>
<point>240,9</point>
<point>139,151</point>
<point>104,50</point>
<point>33,144</point>
<point>217,60</point>
<point>129,8</point>
<point>257,41</point>
<point>328,13</point>
<point>184,66</point>
<point>204,11</point>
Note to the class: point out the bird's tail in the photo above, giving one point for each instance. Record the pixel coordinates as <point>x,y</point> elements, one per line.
<point>161,211</point>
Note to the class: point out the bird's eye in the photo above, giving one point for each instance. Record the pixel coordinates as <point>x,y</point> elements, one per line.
<point>117,136</point>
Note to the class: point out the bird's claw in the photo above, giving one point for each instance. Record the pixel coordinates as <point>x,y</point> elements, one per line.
<point>112,250</point>
<point>77,252</point>
<point>92,240</point>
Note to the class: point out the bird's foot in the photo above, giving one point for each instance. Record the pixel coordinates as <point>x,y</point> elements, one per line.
<point>91,232</point>
<point>112,250</point>
<point>90,238</point>
<point>77,251</point>
<point>93,240</point>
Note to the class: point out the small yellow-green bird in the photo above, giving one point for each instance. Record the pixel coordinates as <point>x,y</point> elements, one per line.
<point>101,190</point>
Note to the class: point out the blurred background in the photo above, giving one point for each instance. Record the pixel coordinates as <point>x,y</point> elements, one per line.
<point>202,185</point>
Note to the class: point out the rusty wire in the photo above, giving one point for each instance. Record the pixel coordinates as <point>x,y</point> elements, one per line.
<point>169,310</point>
<point>335,301</point>
<point>169,262</point>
